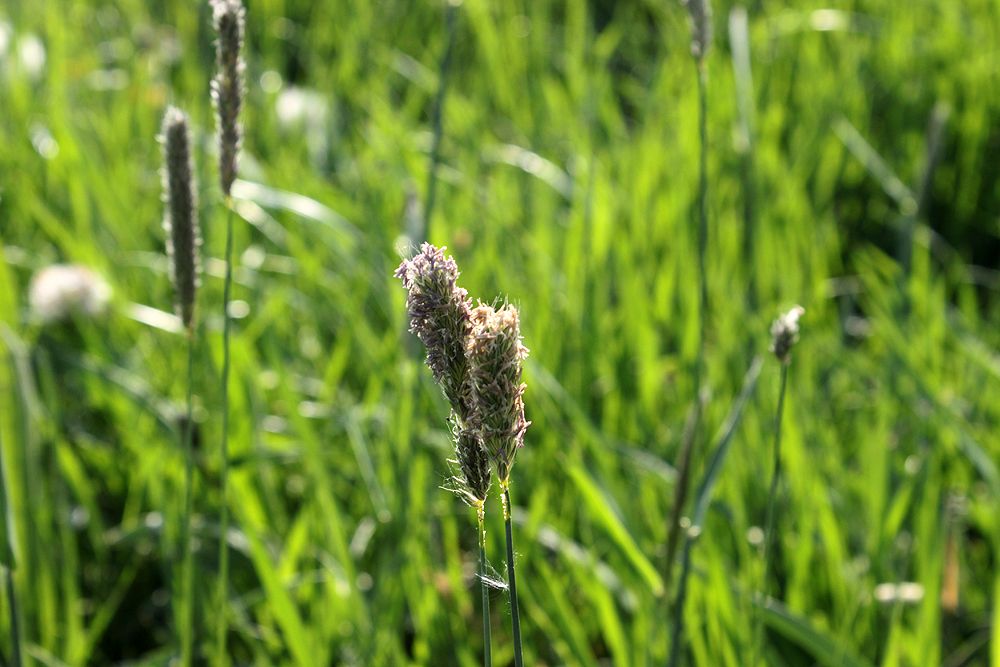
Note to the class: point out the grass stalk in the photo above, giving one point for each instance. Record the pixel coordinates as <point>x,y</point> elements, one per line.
<point>437,122</point>
<point>487,644</point>
<point>772,493</point>
<point>186,629</point>
<point>223,581</point>
<point>15,630</point>
<point>512,582</point>
<point>702,218</point>
<point>7,564</point>
<point>769,512</point>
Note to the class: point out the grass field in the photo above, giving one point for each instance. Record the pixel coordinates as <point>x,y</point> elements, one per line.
<point>853,165</point>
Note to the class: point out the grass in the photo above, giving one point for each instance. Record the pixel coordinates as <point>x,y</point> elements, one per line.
<point>567,181</point>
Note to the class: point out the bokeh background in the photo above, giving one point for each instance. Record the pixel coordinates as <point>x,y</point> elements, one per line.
<point>854,151</point>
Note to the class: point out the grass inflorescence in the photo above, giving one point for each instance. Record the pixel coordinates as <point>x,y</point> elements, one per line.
<point>476,357</point>
<point>183,244</point>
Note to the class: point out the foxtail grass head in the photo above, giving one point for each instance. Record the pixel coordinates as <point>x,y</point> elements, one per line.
<point>440,315</point>
<point>228,87</point>
<point>700,12</point>
<point>785,333</point>
<point>180,218</point>
<point>495,358</point>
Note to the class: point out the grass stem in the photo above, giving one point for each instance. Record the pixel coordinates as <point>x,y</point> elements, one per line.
<point>775,478</point>
<point>702,218</point>
<point>772,494</point>
<point>487,644</point>
<point>186,628</point>
<point>15,631</point>
<point>515,618</point>
<point>223,583</point>
<point>437,122</point>
<point>7,564</point>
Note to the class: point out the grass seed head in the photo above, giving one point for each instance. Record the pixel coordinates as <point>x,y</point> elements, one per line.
<point>228,87</point>
<point>473,478</point>
<point>439,313</point>
<point>180,218</point>
<point>495,357</point>
<point>785,333</point>
<point>701,27</point>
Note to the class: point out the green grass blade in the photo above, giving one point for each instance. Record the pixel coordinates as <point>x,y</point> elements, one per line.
<point>600,511</point>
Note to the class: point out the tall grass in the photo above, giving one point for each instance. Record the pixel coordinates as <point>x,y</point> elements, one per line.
<point>344,550</point>
<point>228,90</point>
<point>180,221</point>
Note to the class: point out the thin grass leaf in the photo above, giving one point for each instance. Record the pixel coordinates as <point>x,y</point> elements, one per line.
<point>599,509</point>
<point>724,438</point>
<point>824,649</point>
<point>286,614</point>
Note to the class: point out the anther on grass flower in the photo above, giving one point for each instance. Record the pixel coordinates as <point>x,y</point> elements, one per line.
<point>495,356</point>
<point>227,86</point>
<point>785,332</point>
<point>180,218</point>
<point>440,315</point>
<point>701,27</point>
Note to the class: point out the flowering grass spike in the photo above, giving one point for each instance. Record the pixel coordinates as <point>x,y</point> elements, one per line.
<point>440,315</point>
<point>227,87</point>
<point>785,332</point>
<point>496,356</point>
<point>701,27</point>
<point>181,216</point>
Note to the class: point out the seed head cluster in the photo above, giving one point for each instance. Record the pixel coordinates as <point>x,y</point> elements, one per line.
<point>440,315</point>
<point>180,218</point>
<point>496,356</point>
<point>475,356</point>
<point>785,333</point>
<point>473,478</point>
<point>228,87</point>
<point>701,27</point>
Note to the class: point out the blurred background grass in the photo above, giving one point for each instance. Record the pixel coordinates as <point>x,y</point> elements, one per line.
<point>859,179</point>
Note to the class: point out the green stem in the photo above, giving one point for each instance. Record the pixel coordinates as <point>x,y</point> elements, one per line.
<point>437,122</point>
<point>772,494</point>
<point>775,476</point>
<point>7,558</point>
<point>515,618</point>
<point>677,627</point>
<point>187,565</point>
<point>487,644</point>
<point>15,633</point>
<point>223,595</point>
<point>702,216</point>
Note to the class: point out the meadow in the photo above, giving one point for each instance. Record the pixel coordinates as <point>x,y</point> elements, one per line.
<point>853,162</point>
